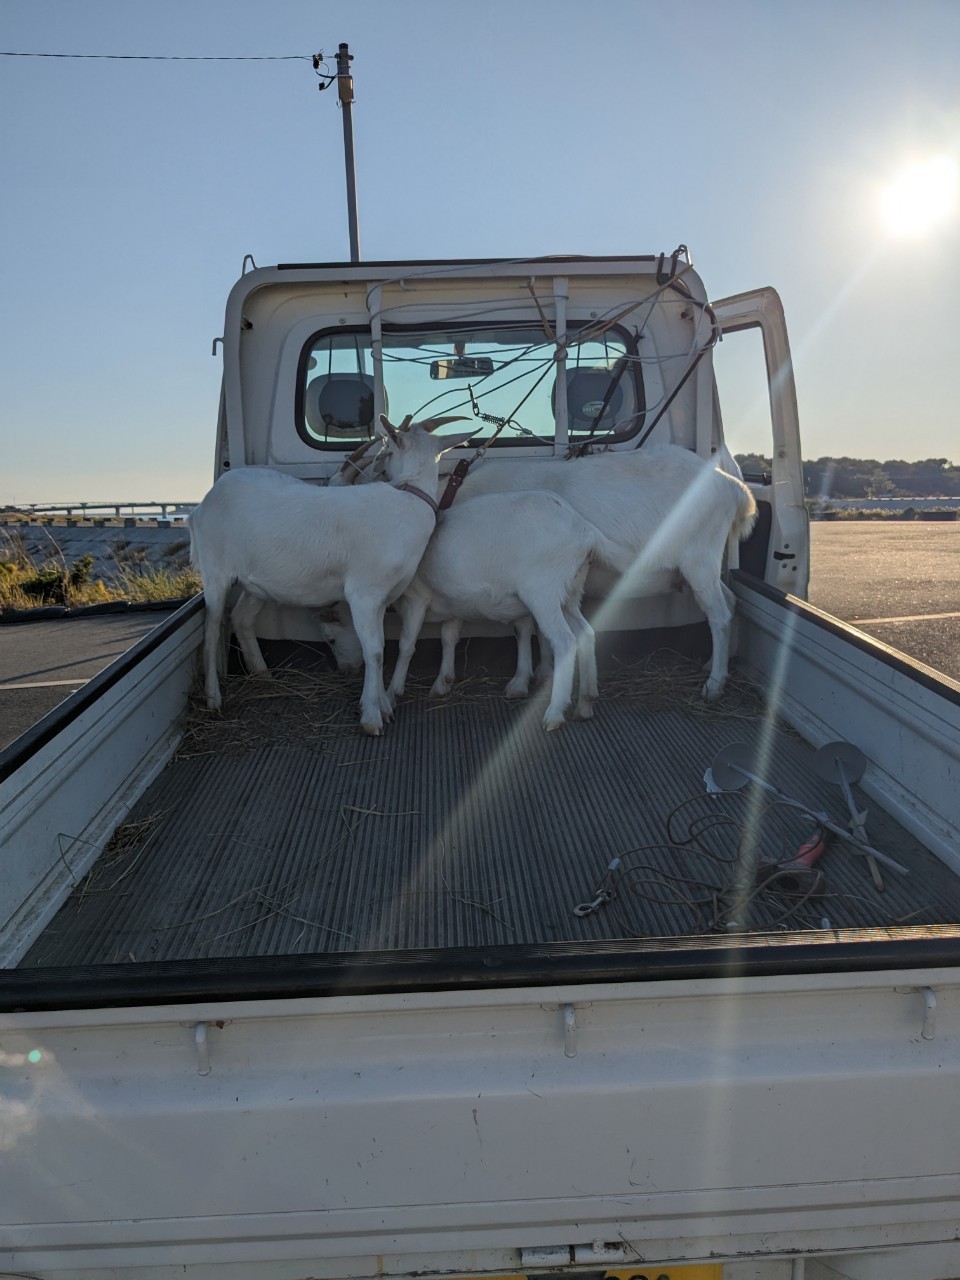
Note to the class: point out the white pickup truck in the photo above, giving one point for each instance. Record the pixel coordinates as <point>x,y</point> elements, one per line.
<point>281,1001</point>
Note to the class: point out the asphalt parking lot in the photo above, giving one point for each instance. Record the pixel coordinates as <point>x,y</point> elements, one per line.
<point>41,663</point>
<point>898,582</point>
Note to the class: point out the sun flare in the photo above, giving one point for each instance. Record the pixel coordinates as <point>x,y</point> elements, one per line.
<point>922,198</point>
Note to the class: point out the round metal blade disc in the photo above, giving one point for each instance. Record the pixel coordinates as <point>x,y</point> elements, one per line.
<point>729,765</point>
<point>833,757</point>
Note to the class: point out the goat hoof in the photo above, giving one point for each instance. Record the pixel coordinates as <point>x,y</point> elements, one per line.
<point>550,725</point>
<point>516,690</point>
<point>374,730</point>
<point>438,691</point>
<point>583,711</point>
<point>712,690</point>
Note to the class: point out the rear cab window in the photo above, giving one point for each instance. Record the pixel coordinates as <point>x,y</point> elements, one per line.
<point>501,376</point>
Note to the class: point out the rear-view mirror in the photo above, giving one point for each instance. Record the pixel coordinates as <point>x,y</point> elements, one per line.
<point>462,367</point>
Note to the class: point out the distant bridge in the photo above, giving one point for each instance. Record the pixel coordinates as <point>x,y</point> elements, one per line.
<point>165,510</point>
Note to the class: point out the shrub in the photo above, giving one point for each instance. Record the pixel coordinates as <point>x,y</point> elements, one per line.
<point>175,549</point>
<point>24,585</point>
<point>56,584</point>
<point>139,584</point>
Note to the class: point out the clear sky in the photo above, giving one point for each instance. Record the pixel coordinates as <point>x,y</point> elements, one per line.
<point>761,133</point>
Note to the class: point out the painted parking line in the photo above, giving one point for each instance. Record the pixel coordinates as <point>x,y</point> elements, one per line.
<point>44,684</point>
<point>909,617</point>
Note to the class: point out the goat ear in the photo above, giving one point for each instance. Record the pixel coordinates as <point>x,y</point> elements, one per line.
<point>388,429</point>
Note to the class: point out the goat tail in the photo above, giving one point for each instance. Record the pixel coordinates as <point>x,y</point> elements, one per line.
<point>194,549</point>
<point>746,513</point>
<point>609,553</point>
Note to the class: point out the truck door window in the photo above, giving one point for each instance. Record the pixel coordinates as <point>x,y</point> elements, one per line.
<point>741,375</point>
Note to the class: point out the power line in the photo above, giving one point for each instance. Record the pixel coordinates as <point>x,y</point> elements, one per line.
<point>172,57</point>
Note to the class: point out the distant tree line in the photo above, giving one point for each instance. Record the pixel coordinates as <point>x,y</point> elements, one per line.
<point>868,478</point>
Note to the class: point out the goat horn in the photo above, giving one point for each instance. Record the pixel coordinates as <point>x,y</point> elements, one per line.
<point>405,424</point>
<point>388,427</point>
<point>357,454</point>
<point>350,467</point>
<point>431,424</point>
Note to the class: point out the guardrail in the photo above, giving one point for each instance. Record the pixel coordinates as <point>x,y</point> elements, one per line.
<point>932,503</point>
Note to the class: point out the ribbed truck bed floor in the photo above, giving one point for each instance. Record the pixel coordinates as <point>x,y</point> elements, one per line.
<point>281,830</point>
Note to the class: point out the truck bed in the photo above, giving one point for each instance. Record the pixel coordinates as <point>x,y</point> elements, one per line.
<point>280,830</point>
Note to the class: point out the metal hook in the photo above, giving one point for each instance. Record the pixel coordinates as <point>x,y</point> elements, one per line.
<point>603,893</point>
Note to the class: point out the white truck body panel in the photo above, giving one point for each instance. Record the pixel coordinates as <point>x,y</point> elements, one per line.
<point>831,683</point>
<point>371,1135</point>
<point>59,809</point>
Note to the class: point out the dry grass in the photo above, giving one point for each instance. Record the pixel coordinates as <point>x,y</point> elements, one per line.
<point>668,681</point>
<point>138,585</point>
<point>296,708</point>
<point>120,858</point>
<point>288,708</point>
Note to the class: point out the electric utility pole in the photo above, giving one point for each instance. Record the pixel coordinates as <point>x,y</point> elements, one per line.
<point>345,92</point>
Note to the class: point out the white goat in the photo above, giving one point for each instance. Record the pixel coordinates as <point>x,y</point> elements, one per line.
<point>295,543</point>
<point>336,630</point>
<point>505,557</point>
<point>671,509</point>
